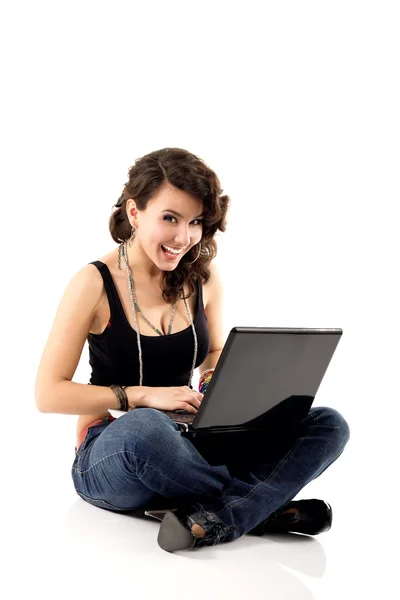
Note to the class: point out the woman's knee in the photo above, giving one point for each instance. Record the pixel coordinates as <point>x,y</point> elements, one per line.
<point>145,424</point>
<point>145,417</point>
<point>334,422</point>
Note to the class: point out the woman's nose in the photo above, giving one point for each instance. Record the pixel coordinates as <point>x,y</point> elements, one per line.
<point>182,237</point>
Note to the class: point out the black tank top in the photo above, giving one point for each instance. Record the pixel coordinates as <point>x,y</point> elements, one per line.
<point>167,359</point>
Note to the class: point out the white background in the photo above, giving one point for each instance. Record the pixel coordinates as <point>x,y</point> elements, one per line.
<point>295,105</point>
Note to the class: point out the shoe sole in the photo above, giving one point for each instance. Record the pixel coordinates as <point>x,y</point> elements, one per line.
<point>173,535</point>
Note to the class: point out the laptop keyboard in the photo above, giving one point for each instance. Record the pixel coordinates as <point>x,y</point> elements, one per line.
<point>180,417</point>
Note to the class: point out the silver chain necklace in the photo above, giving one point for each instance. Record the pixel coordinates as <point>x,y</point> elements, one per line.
<point>133,302</point>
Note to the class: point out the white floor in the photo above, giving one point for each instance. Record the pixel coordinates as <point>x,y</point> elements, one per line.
<point>57,545</point>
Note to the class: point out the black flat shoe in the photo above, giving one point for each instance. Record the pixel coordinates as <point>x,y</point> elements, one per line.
<point>306,516</point>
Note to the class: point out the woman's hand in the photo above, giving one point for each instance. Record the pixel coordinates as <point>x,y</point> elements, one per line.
<point>172,398</point>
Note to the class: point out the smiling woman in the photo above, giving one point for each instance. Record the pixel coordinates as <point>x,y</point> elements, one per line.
<point>174,251</point>
<point>151,311</point>
<point>163,233</point>
<point>145,307</point>
<point>172,199</point>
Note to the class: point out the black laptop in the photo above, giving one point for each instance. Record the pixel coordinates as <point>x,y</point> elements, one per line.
<point>263,386</point>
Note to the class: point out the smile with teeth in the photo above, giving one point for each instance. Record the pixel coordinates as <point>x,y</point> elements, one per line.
<point>172,250</point>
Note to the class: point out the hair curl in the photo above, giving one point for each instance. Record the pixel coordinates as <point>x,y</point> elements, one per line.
<point>189,173</point>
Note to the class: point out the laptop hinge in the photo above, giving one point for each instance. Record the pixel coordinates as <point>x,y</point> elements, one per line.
<point>183,426</point>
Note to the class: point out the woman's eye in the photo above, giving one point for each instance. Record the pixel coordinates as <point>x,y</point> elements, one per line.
<point>199,221</point>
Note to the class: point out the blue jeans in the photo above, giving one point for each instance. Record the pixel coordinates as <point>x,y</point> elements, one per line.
<point>141,460</point>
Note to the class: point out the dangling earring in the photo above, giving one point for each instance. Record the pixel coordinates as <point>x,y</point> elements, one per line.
<point>132,237</point>
<point>190,263</point>
<point>121,247</point>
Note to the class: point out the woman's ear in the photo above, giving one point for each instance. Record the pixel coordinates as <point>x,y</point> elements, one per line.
<point>131,209</point>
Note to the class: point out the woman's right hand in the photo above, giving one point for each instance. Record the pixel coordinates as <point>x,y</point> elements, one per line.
<point>173,398</point>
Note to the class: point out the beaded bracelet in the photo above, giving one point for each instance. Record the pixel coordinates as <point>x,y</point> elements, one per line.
<point>205,379</point>
<point>122,397</point>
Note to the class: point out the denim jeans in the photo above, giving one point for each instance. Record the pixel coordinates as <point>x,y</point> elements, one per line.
<point>142,461</point>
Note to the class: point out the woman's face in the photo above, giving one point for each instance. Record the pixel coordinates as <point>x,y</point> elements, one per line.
<point>172,218</point>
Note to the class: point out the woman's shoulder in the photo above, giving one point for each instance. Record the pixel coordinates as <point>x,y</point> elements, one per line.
<point>109,259</point>
<point>93,274</point>
<point>212,284</point>
<point>213,268</point>
<point>214,275</point>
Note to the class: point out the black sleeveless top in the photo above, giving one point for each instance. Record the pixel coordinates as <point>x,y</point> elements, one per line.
<point>167,359</point>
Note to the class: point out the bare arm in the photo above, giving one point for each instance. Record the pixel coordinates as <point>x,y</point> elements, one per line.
<point>55,392</point>
<point>70,398</point>
<point>214,314</point>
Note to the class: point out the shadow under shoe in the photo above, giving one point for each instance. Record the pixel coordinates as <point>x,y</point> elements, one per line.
<point>311,517</point>
<point>175,533</point>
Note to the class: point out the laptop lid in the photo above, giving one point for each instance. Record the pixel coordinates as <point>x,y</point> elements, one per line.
<point>266,372</point>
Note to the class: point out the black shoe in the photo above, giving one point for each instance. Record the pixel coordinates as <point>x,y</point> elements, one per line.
<point>175,532</point>
<point>312,517</point>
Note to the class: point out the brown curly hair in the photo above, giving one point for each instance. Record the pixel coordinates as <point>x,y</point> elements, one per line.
<point>189,173</point>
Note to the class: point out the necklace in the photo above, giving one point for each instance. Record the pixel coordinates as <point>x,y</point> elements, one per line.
<point>151,325</point>
<point>123,249</point>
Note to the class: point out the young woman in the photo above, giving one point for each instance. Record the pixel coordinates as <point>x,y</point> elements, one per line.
<point>151,311</point>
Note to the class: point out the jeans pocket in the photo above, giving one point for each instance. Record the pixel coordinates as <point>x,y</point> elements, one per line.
<point>91,433</point>
<point>80,449</point>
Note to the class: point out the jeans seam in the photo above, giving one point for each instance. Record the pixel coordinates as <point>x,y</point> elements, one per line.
<point>282,462</point>
<point>100,500</point>
<point>140,458</point>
